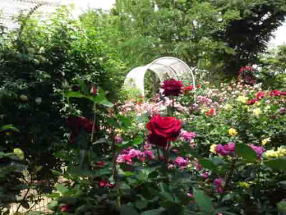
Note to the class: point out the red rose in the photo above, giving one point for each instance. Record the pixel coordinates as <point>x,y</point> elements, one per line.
<point>283,93</point>
<point>172,87</point>
<point>275,93</point>
<point>252,101</point>
<point>189,88</point>
<point>64,208</point>
<point>260,95</point>
<point>163,129</point>
<point>105,183</point>
<point>93,90</point>
<point>77,124</point>
<point>211,112</point>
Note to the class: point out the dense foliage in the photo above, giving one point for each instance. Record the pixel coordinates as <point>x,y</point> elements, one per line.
<point>69,132</point>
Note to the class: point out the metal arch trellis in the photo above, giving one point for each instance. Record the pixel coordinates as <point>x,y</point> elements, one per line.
<point>135,78</point>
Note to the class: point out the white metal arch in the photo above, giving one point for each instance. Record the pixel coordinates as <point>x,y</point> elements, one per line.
<point>164,68</point>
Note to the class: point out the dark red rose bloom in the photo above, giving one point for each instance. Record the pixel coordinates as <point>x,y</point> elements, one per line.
<point>283,93</point>
<point>163,129</point>
<point>64,208</point>
<point>275,93</point>
<point>172,87</point>
<point>100,163</point>
<point>93,90</point>
<point>260,95</point>
<point>105,183</point>
<point>252,101</point>
<point>76,124</point>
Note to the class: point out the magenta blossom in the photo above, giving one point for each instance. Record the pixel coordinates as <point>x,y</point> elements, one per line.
<point>258,149</point>
<point>219,184</point>
<point>205,175</point>
<point>188,136</point>
<point>226,149</point>
<point>118,139</point>
<point>181,162</point>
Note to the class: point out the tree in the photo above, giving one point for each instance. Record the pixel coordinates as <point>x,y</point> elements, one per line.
<point>213,35</point>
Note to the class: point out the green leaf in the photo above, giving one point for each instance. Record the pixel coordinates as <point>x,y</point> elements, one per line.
<point>61,188</point>
<point>208,164</point>
<point>204,202</point>
<point>246,152</point>
<point>100,99</point>
<point>128,210</point>
<point>8,128</point>
<point>74,94</point>
<point>153,212</point>
<point>277,164</point>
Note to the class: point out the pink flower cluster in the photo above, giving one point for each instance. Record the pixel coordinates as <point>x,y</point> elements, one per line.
<point>226,149</point>
<point>188,136</point>
<point>204,100</point>
<point>258,149</point>
<point>128,155</point>
<point>229,149</point>
<point>181,162</point>
<point>219,184</point>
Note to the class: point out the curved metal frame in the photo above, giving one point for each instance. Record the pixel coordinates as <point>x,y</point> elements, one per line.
<point>169,68</point>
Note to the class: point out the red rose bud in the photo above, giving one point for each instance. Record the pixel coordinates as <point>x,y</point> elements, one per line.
<point>252,101</point>
<point>93,90</point>
<point>211,112</point>
<point>64,208</point>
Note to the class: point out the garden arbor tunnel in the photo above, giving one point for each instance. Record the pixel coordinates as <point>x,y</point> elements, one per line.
<point>164,68</point>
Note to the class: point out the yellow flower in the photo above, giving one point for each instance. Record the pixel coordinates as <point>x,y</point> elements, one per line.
<point>281,151</point>
<point>244,184</point>
<point>232,132</point>
<point>265,141</point>
<point>256,111</point>
<point>212,148</point>
<point>271,154</point>
<point>19,153</point>
<point>227,107</point>
<point>242,99</point>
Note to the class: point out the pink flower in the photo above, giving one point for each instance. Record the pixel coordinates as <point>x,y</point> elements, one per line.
<point>190,195</point>
<point>226,149</point>
<point>219,184</point>
<point>124,158</point>
<point>258,149</point>
<point>118,139</point>
<point>149,154</point>
<point>134,153</point>
<point>181,162</point>
<point>205,175</point>
<point>105,183</point>
<point>188,136</point>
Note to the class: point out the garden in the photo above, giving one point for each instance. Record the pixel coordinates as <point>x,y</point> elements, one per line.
<point>73,136</point>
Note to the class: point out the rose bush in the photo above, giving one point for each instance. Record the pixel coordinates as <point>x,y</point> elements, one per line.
<point>215,154</point>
